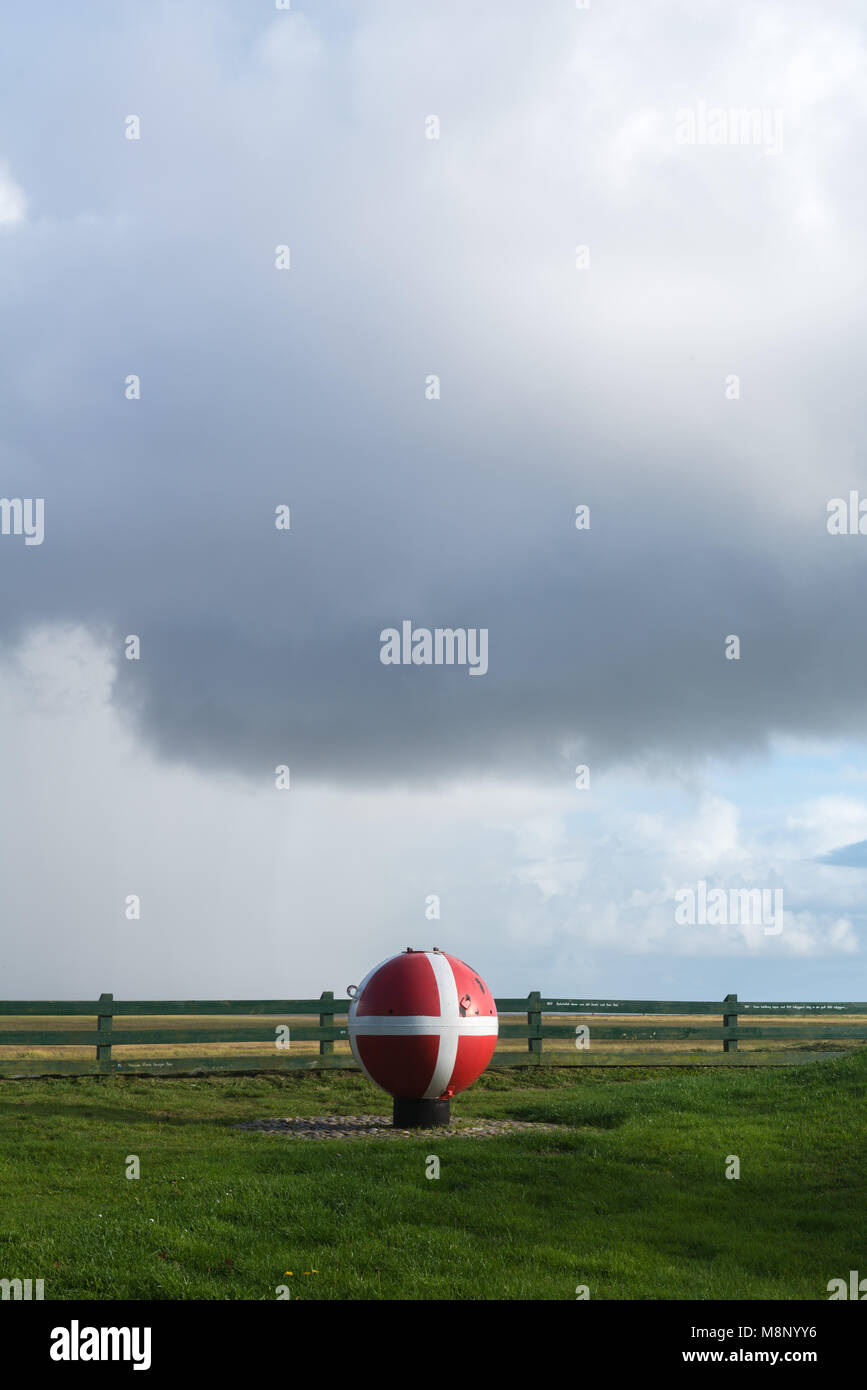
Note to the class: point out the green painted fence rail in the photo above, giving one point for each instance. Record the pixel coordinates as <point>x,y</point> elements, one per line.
<point>603,1021</point>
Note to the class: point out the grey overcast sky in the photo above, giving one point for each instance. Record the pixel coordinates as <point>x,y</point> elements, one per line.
<point>601,377</point>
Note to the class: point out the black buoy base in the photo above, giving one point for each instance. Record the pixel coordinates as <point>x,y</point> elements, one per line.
<point>421,1114</point>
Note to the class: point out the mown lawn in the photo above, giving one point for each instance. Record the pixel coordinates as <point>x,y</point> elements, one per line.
<point>628,1195</point>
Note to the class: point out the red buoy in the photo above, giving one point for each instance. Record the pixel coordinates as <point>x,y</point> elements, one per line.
<point>422,1026</point>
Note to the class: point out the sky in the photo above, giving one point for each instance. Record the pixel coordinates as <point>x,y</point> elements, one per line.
<point>596,287</point>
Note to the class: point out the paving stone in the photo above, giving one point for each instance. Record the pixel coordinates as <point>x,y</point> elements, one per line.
<point>381,1127</point>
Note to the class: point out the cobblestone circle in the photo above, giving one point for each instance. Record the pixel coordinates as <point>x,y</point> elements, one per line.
<point>380,1127</point>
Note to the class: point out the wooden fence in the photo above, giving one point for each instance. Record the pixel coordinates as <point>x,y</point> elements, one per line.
<point>302,1033</point>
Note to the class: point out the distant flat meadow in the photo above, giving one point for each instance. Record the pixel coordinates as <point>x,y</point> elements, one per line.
<point>693,1051</point>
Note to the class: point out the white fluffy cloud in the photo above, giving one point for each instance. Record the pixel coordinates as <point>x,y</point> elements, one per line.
<point>13,200</point>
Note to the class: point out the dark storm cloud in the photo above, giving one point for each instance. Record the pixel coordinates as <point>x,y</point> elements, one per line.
<point>306,388</point>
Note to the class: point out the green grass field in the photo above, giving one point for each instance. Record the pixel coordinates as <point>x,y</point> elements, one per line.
<point>628,1195</point>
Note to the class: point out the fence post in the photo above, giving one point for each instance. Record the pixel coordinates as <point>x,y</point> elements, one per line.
<point>534,1021</point>
<point>730,1021</point>
<point>326,1045</point>
<point>103,1024</point>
